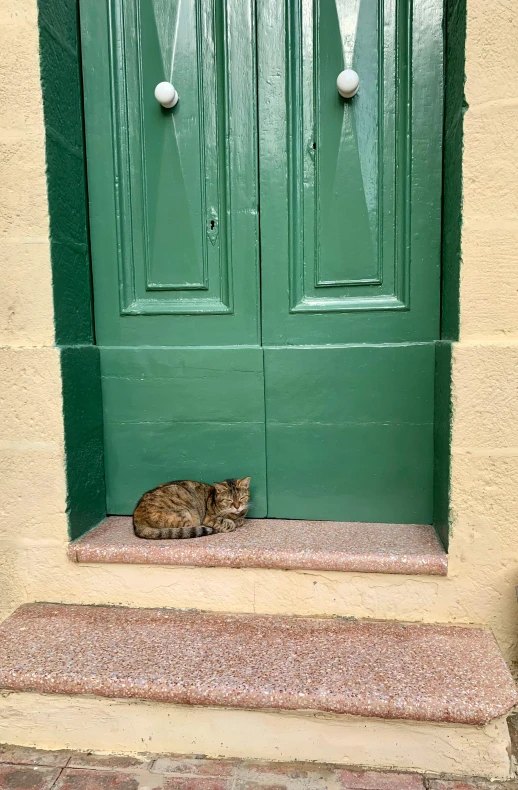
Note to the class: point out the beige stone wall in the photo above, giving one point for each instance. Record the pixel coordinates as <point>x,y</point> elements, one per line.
<point>32,487</point>
<point>484,497</point>
<point>51,721</point>
<point>484,547</point>
<point>489,281</point>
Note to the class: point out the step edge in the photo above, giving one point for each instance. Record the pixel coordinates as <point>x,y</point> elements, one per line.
<point>89,549</point>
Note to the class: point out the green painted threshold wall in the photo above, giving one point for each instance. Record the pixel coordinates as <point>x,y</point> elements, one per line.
<point>454,109</point>
<point>71,277</point>
<point>74,330</point>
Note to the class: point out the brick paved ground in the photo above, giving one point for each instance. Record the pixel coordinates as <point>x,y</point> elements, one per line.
<point>21,769</point>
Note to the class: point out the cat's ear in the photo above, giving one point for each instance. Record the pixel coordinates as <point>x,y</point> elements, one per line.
<point>220,487</point>
<point>244,483</point>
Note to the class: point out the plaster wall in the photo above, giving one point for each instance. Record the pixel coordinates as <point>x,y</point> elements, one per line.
<point>133,726</point>
<point>484,484</point>
<point>32,480</point>
<point>484,476</point>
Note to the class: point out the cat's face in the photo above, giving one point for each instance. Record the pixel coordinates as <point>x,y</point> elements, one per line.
<point>233,496</point>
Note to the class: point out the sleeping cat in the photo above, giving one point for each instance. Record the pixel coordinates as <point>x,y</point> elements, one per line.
<point>187,509</point>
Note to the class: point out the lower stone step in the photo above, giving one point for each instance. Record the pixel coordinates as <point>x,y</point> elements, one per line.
<point>380,694</point>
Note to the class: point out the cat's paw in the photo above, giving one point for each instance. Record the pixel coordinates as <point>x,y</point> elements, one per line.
<point>225,525</point>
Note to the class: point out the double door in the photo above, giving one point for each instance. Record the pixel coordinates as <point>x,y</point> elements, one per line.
<point>266,254</point>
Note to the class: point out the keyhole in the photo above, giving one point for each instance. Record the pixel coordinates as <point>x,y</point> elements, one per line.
<point>314,146</point>
<point>212,223</point>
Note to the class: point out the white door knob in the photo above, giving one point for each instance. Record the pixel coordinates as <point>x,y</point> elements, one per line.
<point>166,94</point>
<point>348,83</point>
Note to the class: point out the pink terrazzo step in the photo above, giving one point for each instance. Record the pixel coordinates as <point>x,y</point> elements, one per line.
<point>382,669</point>
<point>275,543</point>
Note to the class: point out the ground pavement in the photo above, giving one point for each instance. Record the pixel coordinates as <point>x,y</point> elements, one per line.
<point>22,768</point>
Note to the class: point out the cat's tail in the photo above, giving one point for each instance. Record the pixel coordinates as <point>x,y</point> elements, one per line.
<point>157,528</point>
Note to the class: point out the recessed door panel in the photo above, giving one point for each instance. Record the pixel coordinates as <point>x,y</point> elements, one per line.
<point>182,414</point>
<point>177,245</point>
<point>336,176</point>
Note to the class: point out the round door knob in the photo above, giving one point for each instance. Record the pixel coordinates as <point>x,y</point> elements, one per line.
<point>166,94</point>
<point>348,83</point>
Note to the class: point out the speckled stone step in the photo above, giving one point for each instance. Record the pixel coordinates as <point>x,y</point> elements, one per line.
<point>276,543</point>
<point>426,673</point>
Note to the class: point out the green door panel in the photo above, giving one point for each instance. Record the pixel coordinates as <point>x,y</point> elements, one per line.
<point>350,255</point>
<point>173,193</point>
<point>173,414</point>
<point>349,432</point>
<point>350,188</point>
<point>174,237</point>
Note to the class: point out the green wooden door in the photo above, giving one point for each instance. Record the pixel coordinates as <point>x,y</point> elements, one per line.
<point>303,357</point>
<point>174,229</point>
<point>350,234</point>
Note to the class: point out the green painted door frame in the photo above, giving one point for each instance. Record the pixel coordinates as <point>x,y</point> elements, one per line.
<point>309,366</point>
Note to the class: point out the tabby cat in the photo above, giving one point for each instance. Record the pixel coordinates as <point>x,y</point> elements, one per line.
<point>187,509</point>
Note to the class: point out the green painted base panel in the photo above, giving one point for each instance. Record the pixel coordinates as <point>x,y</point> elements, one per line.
<point>350,433</point>
<point>182,414</point>
<point>350,473</point>
<point>325,433</point>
